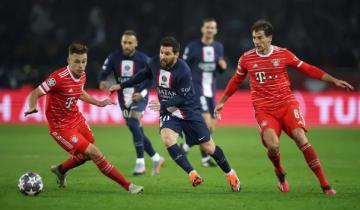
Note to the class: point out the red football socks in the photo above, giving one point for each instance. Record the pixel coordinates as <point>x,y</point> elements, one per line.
<point>314,163</point>
<point>110,171</point>
<point>72,162</point>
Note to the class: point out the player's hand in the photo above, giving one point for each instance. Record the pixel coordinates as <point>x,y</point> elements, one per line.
<point>154,105</point>
<point>343,84</point>
<point>106,102</point>
<point>137,97</point>
<point>103,85</point>
<point>218,110</point>
<point>114,88</point>
<point>30,111</point>
<point>222,64</point>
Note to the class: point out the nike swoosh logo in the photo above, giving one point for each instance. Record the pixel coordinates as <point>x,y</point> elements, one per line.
<point>201,138</point>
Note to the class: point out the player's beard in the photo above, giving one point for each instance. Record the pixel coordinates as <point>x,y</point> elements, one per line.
<point>167,65</point>
<point>128,52</point>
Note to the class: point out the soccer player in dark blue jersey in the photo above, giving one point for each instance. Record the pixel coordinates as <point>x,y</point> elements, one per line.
<point>124,63</point>
<point>178,111</point>
<point>205,58</point>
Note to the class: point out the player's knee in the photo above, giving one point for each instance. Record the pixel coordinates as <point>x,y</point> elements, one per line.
<point>208,147</point>
<point>168,139</point>
<point>273,147</point>
<point>273,150</point>
<point>93,152</point>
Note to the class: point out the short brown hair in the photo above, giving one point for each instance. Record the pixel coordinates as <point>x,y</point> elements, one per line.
<point>130,32</point>
<point>263,25</point>
<point>209,19</point>
<point>78,48</point>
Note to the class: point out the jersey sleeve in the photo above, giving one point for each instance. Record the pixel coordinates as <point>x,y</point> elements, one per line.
<point>305,68</point>
<point>187,55</point>
<point>221,50</point>
<point>241,67</point>
<point>292,60</point>
<point>107,68</point>
<point>237,79</point>
<point>51,84</point>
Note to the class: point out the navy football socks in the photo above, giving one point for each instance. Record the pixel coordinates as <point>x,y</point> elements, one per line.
<point>220,159</point>
<point>138,137</point>
<point>147,144</point>
<point>180,158</point>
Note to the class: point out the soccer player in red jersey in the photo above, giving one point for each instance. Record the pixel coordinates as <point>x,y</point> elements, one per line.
<point>67,126</point>
<point>276,108</point>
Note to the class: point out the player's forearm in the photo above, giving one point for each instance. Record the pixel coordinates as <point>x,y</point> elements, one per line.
<point>223,99</point>
<point>147,84</point>
<point>328,78</point>
<point>138,78</point>
<point>103,75</point>
<point>89,99</point>
<point>33,98</point>
<point>233,85</point>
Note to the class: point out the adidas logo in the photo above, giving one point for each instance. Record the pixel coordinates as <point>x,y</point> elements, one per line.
<point>71,90</point>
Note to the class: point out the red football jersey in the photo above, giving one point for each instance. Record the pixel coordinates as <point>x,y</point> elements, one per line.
<point>269,80</point>
<point>63,91</point>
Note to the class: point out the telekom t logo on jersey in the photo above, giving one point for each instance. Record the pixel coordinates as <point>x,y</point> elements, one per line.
<point>260,76</point>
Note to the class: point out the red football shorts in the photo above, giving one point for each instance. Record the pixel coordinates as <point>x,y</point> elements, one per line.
<point>74,140</point>
<point>285,118</point>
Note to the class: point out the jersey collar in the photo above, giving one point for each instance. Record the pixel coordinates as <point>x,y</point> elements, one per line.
<point>266,55</point>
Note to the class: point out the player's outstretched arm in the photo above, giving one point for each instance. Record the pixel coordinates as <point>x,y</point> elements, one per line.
<point>230,89</point>
<point>339,83</point>
<point>317,73</point>
<point>219,107</point>
<point>33,98</point>
<point>222,64</point>
<point>89,99</point>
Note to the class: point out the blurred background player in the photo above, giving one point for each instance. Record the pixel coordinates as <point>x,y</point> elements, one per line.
<point>178,111</point>
<point>205,58</point>
<point>124,63</point>
<point>67,126</point>
<point>276,108</point>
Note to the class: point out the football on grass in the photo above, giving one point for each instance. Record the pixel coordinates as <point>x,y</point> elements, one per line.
<point>30,183</point>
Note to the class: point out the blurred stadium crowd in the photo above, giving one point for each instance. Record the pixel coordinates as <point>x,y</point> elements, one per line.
<point>35,33</point>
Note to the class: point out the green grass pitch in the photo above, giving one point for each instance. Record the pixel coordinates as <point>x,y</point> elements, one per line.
<point>30,148</point>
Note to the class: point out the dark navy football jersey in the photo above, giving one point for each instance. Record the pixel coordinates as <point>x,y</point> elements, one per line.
<point>203,62</point>
<point>124,68</point>
<point>174,87</point>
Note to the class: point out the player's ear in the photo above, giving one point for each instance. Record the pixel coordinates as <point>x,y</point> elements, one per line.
<point>202,29</point>
<point>136,43</point>
<point>270,37</point>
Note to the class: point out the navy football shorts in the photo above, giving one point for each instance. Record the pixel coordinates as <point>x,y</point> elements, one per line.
<point>196,131</point>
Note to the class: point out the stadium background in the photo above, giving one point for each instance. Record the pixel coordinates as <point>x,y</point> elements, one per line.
<point>34,38</point>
